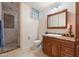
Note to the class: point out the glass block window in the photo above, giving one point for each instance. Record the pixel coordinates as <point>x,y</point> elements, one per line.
<point>35,13</point>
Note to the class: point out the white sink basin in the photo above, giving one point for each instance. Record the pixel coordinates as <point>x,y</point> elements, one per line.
<point>53,35</point>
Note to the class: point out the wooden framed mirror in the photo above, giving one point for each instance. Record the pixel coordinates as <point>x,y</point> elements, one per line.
<point>57,20</point>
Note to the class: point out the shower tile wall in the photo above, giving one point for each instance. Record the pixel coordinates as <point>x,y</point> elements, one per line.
<point>11,34</point>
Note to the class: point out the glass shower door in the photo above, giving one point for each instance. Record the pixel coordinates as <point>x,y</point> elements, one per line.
<point>11,26</point>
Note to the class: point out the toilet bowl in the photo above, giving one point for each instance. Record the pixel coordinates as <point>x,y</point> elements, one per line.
<point>37,43</point>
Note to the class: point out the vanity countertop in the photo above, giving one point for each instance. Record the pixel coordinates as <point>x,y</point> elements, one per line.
<point>60,37</point>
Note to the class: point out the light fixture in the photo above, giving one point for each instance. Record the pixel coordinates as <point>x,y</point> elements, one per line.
<point>59,6</point>
<point>56,7</point>
<point>51,10</point>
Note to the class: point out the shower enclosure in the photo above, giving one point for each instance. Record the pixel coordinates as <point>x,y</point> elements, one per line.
<point>10,17</point>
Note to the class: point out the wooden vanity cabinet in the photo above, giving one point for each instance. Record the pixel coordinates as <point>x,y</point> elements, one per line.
<point>50,47</point>
<point>55,49</point>
<point>77,29</point>
<point>47,46</point>
<point>58,47</point>
<point>66,51</point>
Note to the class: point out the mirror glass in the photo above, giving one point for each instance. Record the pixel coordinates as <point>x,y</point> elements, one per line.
<point>57,20</point>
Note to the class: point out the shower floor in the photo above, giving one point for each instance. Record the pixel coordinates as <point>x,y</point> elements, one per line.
<point>8,47</point>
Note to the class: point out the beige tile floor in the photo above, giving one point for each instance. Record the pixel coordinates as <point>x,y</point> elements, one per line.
<point>24,53</point>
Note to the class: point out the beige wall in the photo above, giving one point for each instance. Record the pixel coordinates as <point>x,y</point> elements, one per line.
<point>28,26</point>
<point>70,6</point>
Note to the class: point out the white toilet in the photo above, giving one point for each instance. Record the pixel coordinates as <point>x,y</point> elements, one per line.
<point>37,43</point>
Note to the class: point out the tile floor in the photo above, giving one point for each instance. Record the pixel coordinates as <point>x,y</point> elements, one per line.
<point>24,53</point>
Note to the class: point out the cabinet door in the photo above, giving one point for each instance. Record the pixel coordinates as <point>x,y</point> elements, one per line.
<point>77,51</point>
<point>47,47</point>
<point>77,21</point>
<point>77,28</point>
<point>50,47</point>
<point>66,51</point>
<point>55,49</point>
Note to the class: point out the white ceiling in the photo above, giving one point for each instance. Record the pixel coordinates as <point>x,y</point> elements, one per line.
<point>39,5</point>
